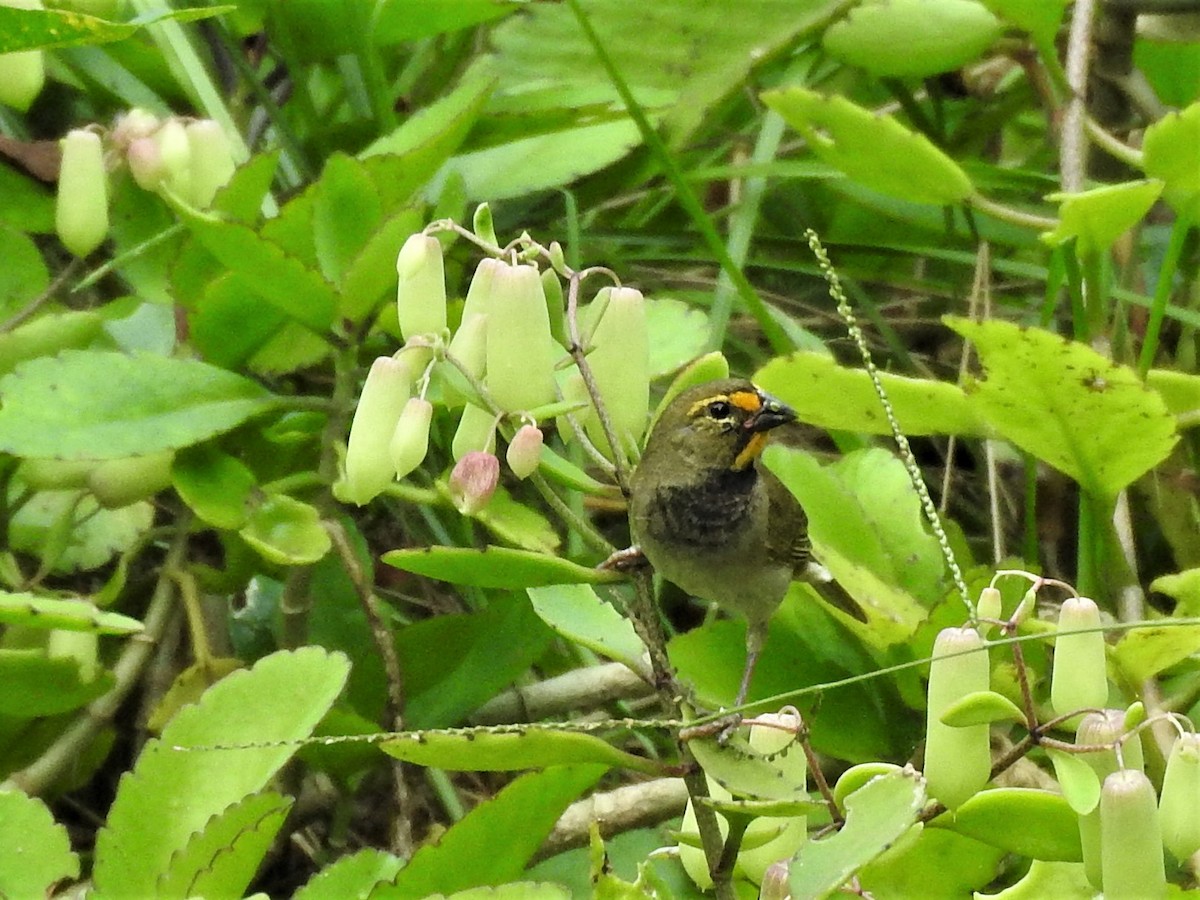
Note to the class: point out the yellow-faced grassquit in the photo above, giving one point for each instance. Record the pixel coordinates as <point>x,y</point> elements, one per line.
<point>709,517</point>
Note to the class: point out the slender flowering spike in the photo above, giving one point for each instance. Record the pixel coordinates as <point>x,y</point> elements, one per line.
<point>473,481</point>
<point>525,451</point>
<point>520,357</point>
<point>620,362</point>
<point>410,440</point>
<point>1179,806</point>
<point>369,467</point>
<point>176,154</point>
<point>476,432</point>
<point>421,289</point>
<point>957,760</point>
<point>81,210</point>
<point>212,160</point>
<point>1131,838</point>
<point>23,73</point>
<point>1079,680</point>
<point>776,734</point>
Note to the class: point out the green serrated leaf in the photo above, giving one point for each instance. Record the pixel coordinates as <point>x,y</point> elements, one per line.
<point>37,685</point>
<point>271,271</point>
<point>577,613</point>
<point>371,276</point>
<point>286,531</point>
<point>495,567</point>
<point>678,333</point>
<point>517,819</point>
<point>1170,152</point>
<point>34,611</point>
<point>877,815</point>
<point>1041,18</point>
<point>346,212</point>
<point>276,703</point>
<point>874,150</point>
<point>824,393</point>
<point>744,772</point>
<point>1066,404</point>
<point>1144,652</point>
<point>351,876</point>
<point>1096,218</point>
<point>912,38</point>
<point>483,750</point>
<point>71,533</point>
<point>982,708</point>
<point>1049,827</point>
<point>220,860</point>
<point>37,851</point>
<point>103,405</point>
<point>1078,780</point>
<point>214,484</point>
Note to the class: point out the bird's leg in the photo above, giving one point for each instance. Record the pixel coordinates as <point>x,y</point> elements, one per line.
<point>625,560</point>
<point>756,636</point>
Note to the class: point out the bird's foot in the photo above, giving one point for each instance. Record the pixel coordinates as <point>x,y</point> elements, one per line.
<point>625,560</point>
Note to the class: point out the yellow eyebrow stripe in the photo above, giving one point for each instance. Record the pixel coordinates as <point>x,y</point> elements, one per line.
<point>748,401</point>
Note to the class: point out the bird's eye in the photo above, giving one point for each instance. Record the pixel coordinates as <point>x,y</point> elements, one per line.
<point>719,409</point>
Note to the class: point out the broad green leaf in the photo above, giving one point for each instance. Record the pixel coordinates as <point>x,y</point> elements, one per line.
<point>48,335</point>
<point>34,611</point>
<point>286,531</point>
<point>1066,404</point>
<point>483,750</point>
<point>1041,18</point>
<point>22,278</point>
<point>577,613</point>
<point>268,269</point>
<point>856,776</point>
<point>1096,218</point>
<point>912,38</point>
<point>1078,780</point>
<point>541,161</point>
<point>515,890</point>
<point>1170,152</point>
<point>37,852</point>
<point>1060,880</point>
<point>25,204</point>
<point>877,815</point>
<point>873,150</point>
<point>1049,828</point>
<point>227,330</point>
<point>517,523</point>
<point>188,686</point>
<point>491,650</point>
<point>221,859</point>
<point>37,685</point>
<point>242,197</point>
<point>355,875</point>
<point>982,708</point>
<point>371,275</point>
<point>517,819</point>
<point>866,528</point>
<point>1144,652</point>
<point>1183,587</point>
<point>104,405</point>
<point>214,484</point>
<point>276,703</point>
<point>495,567</point>
<point>71,532</point>
<point>42,29</point>
<point>678,334</point>
<point>1179,390</point>
<point>933,863</point>
<point>833,396</point>
<point>745,773</point>
<point>346,212</point>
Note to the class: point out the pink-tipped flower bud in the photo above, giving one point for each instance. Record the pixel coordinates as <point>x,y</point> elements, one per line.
<point>134,124</point>
<point>145,162</point>
<point>1079,679</point>
<point>81,210</point>
<point>410,440</point>
<point>520,350</point>
<point>212,160</point>
<point>525,451</point>
<point>421,286</point>
<point>369,467</point>
<point>473,481</point>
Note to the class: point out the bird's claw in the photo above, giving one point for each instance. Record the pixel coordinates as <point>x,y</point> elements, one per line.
<point>625,560</point>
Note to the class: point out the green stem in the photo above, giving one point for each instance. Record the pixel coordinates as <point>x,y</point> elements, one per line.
<point>775,334</point>
<point>1162,291</point>
<point>1010,215</point>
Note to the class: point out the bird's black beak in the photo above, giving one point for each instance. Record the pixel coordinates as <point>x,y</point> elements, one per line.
<point>771,414</point>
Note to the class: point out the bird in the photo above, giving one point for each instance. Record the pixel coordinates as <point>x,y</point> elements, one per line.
<point>709,517</point>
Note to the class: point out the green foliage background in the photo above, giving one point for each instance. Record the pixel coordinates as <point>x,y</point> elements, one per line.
<point>185,603</point>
